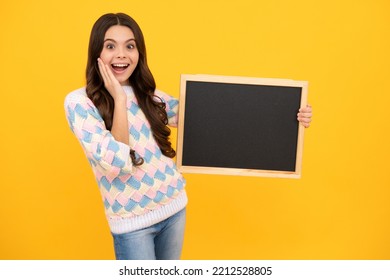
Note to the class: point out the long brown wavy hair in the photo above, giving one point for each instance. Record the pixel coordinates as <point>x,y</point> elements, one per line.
<point>141,80</point>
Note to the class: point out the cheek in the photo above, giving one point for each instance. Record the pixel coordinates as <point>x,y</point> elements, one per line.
<point>105,57</point>
<point>135,58</point>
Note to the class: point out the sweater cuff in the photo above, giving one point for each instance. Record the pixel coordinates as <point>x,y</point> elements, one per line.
<point>125,154</point>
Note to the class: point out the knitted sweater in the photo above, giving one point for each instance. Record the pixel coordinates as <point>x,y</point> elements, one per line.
<point>134,197</point>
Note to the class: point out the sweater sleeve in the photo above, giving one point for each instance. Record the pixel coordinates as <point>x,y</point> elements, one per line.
<point>172,107</point>
<point>111,157</point>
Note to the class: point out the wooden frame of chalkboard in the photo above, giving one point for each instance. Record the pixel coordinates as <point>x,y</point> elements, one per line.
<point>240,126</point>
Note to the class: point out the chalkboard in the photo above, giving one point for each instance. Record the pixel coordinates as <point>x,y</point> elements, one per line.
<point>240,126</point>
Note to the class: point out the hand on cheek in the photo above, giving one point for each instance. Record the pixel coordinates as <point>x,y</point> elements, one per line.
<point>110,81</point>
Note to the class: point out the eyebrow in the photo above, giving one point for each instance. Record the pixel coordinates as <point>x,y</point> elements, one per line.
<point>108,39</point>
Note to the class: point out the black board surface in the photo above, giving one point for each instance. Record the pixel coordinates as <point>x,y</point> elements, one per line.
<point>240,126</point>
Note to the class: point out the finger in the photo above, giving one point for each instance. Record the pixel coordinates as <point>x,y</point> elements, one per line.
<point>103,70</point>
<point>305,125</point>
<point>304,120</point>
<point>107,75</point>
<point>306,110</point>
<point>110,79</point>
<point>110,75</point>
<point>305,115</point>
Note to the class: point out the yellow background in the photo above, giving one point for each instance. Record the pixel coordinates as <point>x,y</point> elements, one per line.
<point>50,204</point>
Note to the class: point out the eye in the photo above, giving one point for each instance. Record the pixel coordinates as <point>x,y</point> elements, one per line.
<point>110,46</point>
<point>131,46</point>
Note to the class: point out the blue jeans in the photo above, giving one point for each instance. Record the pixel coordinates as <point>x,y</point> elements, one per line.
<point>162,241</point>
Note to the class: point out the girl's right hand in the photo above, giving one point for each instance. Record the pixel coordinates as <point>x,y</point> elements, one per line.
<point>110,82</point>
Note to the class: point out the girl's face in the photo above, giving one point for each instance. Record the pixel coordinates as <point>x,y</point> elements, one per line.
<point>120,52</point>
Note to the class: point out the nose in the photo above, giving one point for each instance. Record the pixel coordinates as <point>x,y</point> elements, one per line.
<point>120,53</point>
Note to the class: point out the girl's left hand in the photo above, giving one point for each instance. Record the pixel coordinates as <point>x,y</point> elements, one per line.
<point>304,116</point>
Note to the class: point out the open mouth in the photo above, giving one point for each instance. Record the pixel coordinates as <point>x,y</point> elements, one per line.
<point>119,67</point>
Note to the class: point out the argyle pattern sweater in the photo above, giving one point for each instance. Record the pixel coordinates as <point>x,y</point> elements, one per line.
<point>134,197</point>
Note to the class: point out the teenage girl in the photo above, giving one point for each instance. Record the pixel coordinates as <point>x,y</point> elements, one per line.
<point>121,121</point>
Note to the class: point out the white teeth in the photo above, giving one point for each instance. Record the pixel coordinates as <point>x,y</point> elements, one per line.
<point>120,65</point>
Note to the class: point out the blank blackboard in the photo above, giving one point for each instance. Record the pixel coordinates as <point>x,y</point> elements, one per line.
<point>240,126</point>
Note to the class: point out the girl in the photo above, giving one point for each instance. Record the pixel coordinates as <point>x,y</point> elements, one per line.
<point>121,121</point>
